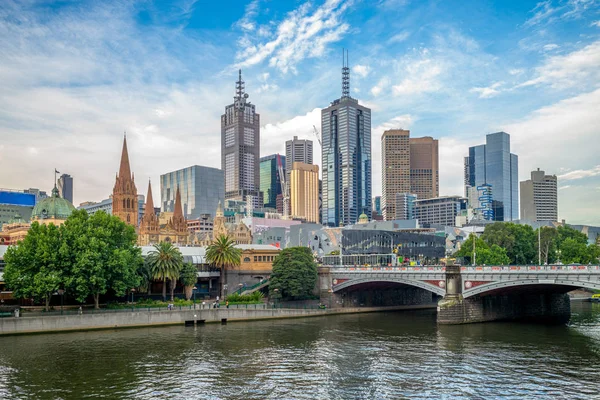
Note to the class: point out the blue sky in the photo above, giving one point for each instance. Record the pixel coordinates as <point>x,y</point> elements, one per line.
<point>74,75</point>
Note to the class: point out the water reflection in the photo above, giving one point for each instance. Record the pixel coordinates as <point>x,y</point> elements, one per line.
<point>385,355</point>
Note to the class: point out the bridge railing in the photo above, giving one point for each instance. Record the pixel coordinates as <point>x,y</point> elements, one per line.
<point>475,269</point>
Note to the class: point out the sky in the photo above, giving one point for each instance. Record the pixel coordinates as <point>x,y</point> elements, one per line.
<point>75,75</point>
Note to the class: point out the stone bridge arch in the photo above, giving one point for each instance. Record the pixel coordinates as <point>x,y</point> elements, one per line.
<point>409,282</point>
<point>498,286</point>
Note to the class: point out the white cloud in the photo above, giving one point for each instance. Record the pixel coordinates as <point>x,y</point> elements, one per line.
<point>579,68</point>
<point>580,174</point>
<point>550,47</point>
<point>300,35</point>
<point>382,84</point>
<point>361,70</point>
<point>399,37</point>
<point>421,77</point>
<point>487,92</point>
<point>516,71</point>
<point>541,12</point>
<point>596,23</point>
<point>246,23</point>
<point>545,13</point>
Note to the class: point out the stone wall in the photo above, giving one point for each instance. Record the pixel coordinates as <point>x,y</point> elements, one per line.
<point>532,307</point>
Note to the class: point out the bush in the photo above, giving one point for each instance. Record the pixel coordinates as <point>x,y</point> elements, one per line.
<point>252,298</point>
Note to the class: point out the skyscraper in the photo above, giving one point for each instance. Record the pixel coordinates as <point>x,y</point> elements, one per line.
<point>346,158</point>
<point>493,167</point>
<point>424,169</point>
<point>304,191</point>
<point>395,166</point>
<point>240,148</point>
<point>65,187</point>
<point>539,197</point>
<point>270,181</point>
<point>405,206</point>
<point>298,150</point>
<point>201,190</point>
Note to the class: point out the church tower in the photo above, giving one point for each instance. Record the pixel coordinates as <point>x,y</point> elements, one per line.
<point>125,203</point>
<point>149,226</point>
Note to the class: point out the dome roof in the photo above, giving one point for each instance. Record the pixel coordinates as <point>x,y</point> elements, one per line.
<point>53,207</point>
<point>363,218</point>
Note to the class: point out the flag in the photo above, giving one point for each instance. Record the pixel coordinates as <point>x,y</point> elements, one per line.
<point>56,171</point>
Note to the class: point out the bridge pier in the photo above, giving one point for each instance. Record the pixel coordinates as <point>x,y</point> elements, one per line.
<point>538,306</point>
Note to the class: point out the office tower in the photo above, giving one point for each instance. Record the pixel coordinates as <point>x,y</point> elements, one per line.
<point>405,206</point>
<point>125,198</point>
<point>539,197</point>
<point>440,210</point>
<point>424,167</point>
<point>201,190</point>
<point>346,158</point>
<point>65,187</point>
<point>240,148</point>
<point>270,181</point>
<point>304,192</point>
<point>377,204</point>
<point>16,205</point>
<point>297,150</point>
<point>491,167</point>
<point>395,166</point>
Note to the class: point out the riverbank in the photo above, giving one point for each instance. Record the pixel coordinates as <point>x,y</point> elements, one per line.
<point>148,318</point>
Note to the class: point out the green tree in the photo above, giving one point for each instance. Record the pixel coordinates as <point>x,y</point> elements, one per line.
<point>484,254</point>
<point>166,262</point>
<point>294,273</point>
<point>548,242</point>
<point>35,268</point>
<point>102,255</point>
<point>518,240</point>
<point>222,253</point>
<point>189,278</point>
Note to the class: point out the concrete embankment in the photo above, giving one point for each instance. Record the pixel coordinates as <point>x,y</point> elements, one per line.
<point>145,318</point>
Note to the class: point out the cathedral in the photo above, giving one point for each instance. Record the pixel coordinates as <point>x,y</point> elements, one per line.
<point>150,230</point>
<point>238,232</point>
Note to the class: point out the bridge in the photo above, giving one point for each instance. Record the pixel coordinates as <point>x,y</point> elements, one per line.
<point>469,293</point>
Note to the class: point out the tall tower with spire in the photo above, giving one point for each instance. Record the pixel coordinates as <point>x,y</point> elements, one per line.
<point>149,225</point>
<point>125,202</point>
<point>240,148</point>
<point>346,157</point>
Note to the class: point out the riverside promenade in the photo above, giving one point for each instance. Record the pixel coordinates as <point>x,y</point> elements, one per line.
<point>115,319</point>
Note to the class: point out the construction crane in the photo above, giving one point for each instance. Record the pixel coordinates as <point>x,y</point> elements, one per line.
<point>284,189</point>
<point>318,135</point>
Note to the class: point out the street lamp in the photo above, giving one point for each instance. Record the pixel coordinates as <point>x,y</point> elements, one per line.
<point>132,292</point>
<point>275,296</point>
<point>61,292</point>
<point>558,253</point>
<point>194,292</point>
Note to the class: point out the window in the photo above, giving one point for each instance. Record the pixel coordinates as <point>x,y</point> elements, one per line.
<point>229,136</point>
<point>229,172</point>
<point>255,258</point>
<point>249,136</point>
<point>246,259</point>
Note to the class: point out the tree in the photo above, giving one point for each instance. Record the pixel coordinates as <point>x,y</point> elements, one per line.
<point>547,240</point>
<point>102,255</point>
<point>294,273</point>
<point>519,241</point>
<point>189,278</point>
<point>35,268</point>
<point>165,263</point>
<point>222,253</point>
<point>484,254</point>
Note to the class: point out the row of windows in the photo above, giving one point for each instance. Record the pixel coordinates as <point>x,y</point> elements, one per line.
<point>260,259</point>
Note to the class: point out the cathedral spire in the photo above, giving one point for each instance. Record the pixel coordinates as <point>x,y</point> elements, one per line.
<point>149,211</point>
<point>124,169</point>
<point>178,211</point>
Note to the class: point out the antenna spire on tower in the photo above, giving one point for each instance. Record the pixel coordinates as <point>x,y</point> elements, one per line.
<point>345,74</point>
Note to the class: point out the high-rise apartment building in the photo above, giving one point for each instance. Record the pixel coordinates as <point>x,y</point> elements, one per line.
<point>65,187</point>
<point>201,189</point>
<point>270,181</point>
<point>346,158</point>
<point>424,167</point>
<point>539,197</point>
<point>240,148</point>
<point>440,210</point>
<point>405,206</point>
<point>304,192</point>
<point>395,167</point>
<point>493,167</point>
<point>377,204</point>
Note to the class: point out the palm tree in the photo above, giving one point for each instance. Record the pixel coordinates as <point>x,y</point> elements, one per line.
<point>165,262</point>
<point>222,253</point>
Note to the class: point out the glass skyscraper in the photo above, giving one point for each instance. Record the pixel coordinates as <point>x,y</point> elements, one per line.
<point>346,158</point>
<point>494,167</point>
<point>201,190</point>
<point>270,182</point>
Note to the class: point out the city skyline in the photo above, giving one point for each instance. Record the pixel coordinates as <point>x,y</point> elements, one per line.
<point>68,108</point>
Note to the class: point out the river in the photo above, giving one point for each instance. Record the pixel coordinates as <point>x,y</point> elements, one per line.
<point>379,355</point>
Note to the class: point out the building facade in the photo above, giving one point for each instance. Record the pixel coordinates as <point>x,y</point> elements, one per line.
<point>201,188</point>
<point>240,148</point>
<point>493,164</point>
<point>297,150</point>
<point>152,230</point>
<point>270,181</point>
<point>346,158</point>
<point>539,197</point>
<point>304,192</point>
<point>439,211</point>
<point>92,207</point>
<point>52,210</point>
<point>424,167</point>
<point>125,199</point>
<point>16,204</point>
<point>65,187</point>
<point>395,167</point>
<point>405,206</point>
